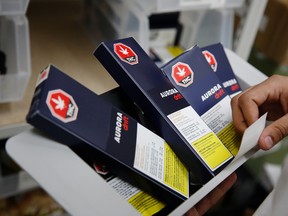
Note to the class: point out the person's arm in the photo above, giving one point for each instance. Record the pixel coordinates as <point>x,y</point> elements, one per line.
<point>213,197</point>
<point>269,96</point>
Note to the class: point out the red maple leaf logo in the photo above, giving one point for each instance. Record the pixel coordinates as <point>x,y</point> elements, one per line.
<point>125,53</point>
<point>62,105</point>
<point>210,59</point>
<point>182,74</point>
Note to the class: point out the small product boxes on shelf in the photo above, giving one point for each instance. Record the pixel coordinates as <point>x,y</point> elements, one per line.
<point>194,78</point>
<point>173,118</point>
<point>75,116</point>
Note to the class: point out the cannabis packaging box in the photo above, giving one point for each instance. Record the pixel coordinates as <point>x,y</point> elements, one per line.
<point>73,115</point>
<point>217,58</point>
<point>169,113</point>
<point>201,87</point>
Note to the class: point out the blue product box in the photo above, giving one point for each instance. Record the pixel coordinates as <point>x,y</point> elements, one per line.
<point>171,115</point>
<point>75,116</point>
<point>216,57</point>
<point>200,86</point>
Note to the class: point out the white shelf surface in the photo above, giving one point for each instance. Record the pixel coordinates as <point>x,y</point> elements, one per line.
<point>161,6</point>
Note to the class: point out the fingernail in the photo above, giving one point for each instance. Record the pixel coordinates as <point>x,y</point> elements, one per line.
<point>268,142</point>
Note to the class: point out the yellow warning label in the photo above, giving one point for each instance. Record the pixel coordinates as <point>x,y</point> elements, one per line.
<point>230,138</point>
<point>176,175</point>
<point>212,150</point>
<point>175,50</point>
<point>146,204</point>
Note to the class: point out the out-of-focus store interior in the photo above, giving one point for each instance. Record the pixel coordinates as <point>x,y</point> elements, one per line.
<point>65,33</point>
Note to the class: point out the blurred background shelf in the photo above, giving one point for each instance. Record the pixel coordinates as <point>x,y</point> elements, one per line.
<point>15,64</point>
<point>13,7</point>
<point>15,44</point>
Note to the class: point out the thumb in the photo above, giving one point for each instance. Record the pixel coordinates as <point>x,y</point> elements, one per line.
<point>273,133</point>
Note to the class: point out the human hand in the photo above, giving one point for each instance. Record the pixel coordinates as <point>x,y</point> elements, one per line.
<point>213,197</point>
<point>269,96</point>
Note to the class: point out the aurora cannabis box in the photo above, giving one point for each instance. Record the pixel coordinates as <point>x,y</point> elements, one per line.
<point>74,115</point>
<point>200,86</point>
<point>172,117</point>
<point>216,57</point>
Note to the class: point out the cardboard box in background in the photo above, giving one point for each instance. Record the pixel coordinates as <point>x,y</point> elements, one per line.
<point>272,36</point>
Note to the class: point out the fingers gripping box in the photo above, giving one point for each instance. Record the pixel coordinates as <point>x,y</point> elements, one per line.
<point>173,118</point>
<point>74,115</point>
